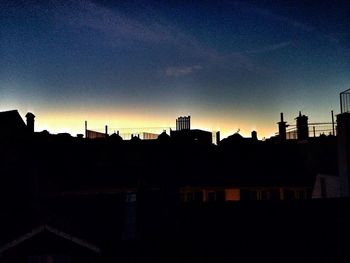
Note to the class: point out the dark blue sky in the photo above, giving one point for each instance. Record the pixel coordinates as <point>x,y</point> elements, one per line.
<point>228,64</point>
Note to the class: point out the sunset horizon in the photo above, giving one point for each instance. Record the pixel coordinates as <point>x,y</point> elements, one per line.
<point>231,65</point>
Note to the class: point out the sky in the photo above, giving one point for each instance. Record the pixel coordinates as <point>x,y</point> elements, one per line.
<point>230,65</point>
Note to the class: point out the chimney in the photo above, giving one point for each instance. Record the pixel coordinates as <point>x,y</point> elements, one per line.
<point>183,123</point>
<point>254,135</point>
<point>217,137</point>
<point>282,125</point>
<point>30,122</point>
<point>302,127</point>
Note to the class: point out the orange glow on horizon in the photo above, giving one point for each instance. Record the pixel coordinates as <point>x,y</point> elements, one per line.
<point>129,122</point>
<point>138,119</point>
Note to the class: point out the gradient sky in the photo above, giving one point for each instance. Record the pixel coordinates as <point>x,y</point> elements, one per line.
<point>229,64</point>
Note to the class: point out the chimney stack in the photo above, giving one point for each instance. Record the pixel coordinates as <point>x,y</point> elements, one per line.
<point>282,131</point>
<point>183,123</point>
<point>254,135</point>
<point>217,137</point>
<point>302,127</point>
<point>30,122</point>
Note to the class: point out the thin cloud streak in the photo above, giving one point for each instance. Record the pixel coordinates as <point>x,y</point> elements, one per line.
<point>182,71</point>
<point>266,13</point>
<point>121,30</point>
<point>269,48</point>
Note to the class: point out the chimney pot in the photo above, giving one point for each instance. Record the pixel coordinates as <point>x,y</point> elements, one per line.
<point>30,122</point>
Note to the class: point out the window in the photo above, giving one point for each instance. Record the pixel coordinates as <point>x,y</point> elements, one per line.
<point>182,197</point>
<point>249,195</point>
<point>130,197</point>
<point>211,196</point>
<point>300,194</point>
<point>253,195</point>
<point>189,197</point>
<point>198,196</point>
<point>288,194</point>
<point>266,194</point>
<point>263,195</point>
<point>244,195</point>
<point>220,196</point>
<point>275,194</point>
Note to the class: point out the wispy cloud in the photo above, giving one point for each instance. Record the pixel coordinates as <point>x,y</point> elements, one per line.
<point>264,12</point>
<point>269,48</point>
<point>121,29</point>
<point>332,38</point>
<point>269,14</point>
<point>111,23</point>
<point>181,71</point>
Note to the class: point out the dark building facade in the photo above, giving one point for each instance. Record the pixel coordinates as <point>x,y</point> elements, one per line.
<point>302,127</point>
<point>282,126</point>
<point>11,124</point>
<point>77,200</point>
<point>196,135</point>
<point>183,123</point>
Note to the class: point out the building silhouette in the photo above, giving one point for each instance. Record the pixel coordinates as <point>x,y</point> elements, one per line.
<point>12,125</point>
<point>30,122</point>
<point>74,199</point>
<point>282,125</point>
<point>302,127</point>
<point>183,123</point>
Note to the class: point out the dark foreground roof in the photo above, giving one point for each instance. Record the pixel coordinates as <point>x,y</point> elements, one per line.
<point>11,124</point>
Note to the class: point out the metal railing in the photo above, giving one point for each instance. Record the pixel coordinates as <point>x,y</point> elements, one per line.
<point>345,101</point>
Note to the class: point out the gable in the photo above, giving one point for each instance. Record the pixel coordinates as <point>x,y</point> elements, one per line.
<point>11,123</point>
<point>46,239</point>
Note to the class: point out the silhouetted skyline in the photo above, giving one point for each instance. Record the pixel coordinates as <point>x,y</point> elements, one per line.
<point>76,199</point>
<point>229,64</point>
